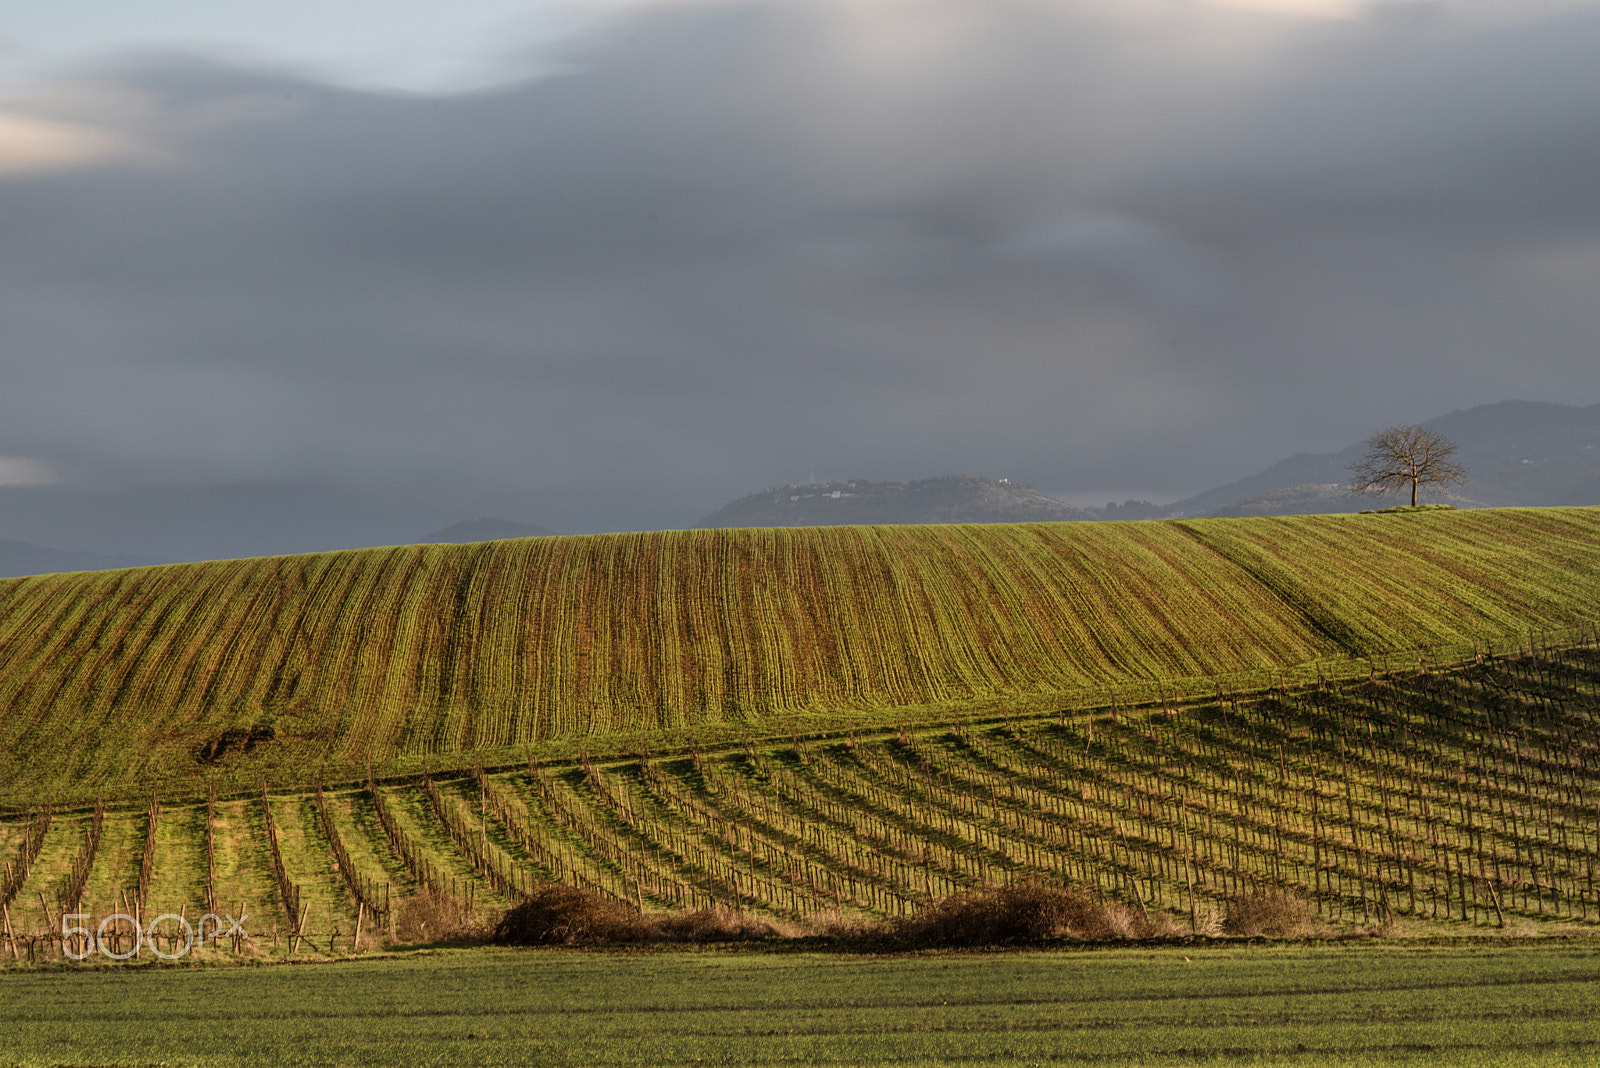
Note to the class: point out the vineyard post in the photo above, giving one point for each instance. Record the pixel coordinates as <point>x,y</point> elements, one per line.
<point>211,845</point>
<point>147,863</point>
<point>11,937</point>
<point>49,919</point>
<point>1316,845</point>
<point>361,914</point>
<point>1188,878</point>
<point>1588,863</point>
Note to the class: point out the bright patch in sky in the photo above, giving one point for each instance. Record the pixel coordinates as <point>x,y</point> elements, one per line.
<point>396,44</point>
<point>21,471</point>
<point>1338,9</point>
<point>418,46</point>
<point>32,144</point>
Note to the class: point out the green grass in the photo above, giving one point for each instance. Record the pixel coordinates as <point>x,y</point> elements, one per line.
<point>1291,1005</point>
<point>244,864</point>
<point>113,681</point>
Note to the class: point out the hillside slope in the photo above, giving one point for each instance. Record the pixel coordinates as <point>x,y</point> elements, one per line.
<point>318,664</point>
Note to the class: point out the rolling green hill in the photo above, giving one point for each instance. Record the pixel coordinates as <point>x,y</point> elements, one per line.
<point>447,653</point>
<point>794,721</point>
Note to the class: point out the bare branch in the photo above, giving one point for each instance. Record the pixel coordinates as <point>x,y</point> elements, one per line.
<point>1404,456</point>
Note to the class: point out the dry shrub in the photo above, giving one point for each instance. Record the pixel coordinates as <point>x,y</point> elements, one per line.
<point>1030,910</point>
<point>1026,911</point>
<point>1209,919</point>
<point>428,916</point>
<point>1273,912</point>
<point>1126,921</point>
<point>558,914</point>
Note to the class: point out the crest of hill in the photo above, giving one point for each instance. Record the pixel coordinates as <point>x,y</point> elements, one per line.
<point>289,667</point>
<point>947,499</point>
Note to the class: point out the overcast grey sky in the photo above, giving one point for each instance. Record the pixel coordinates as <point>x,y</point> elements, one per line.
<point>608,265</point>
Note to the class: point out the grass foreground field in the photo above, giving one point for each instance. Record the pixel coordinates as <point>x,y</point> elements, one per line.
<point>1327,1006</point>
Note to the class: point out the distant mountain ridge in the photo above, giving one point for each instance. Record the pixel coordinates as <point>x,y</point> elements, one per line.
<point>945,499</point>
<point>21,558</point>
<point>1517,453</point>
<point>485,530</point>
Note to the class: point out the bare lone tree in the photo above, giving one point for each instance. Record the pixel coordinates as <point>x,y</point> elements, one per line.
<point>1405,455</point>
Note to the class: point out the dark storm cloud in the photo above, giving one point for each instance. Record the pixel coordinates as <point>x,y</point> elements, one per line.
<point>730,244</point>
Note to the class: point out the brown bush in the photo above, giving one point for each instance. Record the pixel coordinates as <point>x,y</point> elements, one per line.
<point>558,914</point>
<point>1127,921</point>
<point>1274,912</point>
<point>1026,911</point>
<point>428,916</point>
<point>1030,910</point>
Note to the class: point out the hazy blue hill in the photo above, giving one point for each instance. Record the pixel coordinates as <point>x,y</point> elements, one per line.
<point>24,558</point>
<point>486,530</point>
<point>947,499</point>
<point>1528,453</point>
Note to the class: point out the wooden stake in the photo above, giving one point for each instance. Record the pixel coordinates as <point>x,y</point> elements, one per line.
<point>361,914</point>
<point>49,919</point>
<point>300,928</point>
<point>1188,878</point>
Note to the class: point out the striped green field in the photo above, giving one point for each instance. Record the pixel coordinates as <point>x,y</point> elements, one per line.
<point>1391,717</point>
<point>315,666</point>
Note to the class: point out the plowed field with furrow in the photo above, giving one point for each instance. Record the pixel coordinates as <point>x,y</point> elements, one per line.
<point>1391,716</point>
<point>297,668</point>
